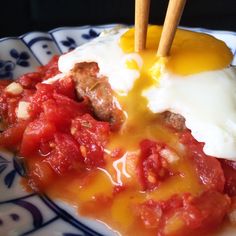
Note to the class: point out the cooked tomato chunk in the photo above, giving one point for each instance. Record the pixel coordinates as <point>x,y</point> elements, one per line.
<point>229,168</point>
<point>12,136</point>
<point>36,131</point>
<point>206,211</point>
<point>152,168</point>
<point>40,174</point>
<point>209,169</point>
<point>188,213</point>
<point>29,80</point>
<point>66,87</point>
<point>65,155</point>
<point>51,69</point>
<point>92,135</point>
<point>8,106</point>
<point>43,93</point>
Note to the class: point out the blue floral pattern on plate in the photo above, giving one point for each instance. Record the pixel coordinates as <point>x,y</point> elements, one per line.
<point>70,43</point>
<point>24,213</point>
<point>6,68</point>
<point>21,58</point>
<point>90,35</point>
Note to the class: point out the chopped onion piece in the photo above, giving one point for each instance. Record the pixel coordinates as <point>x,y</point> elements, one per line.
<point>169,155</point>
<point>14,88</point>
<point>22,110</point>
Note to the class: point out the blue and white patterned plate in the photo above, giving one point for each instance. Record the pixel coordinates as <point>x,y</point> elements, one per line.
<point>23,213</point>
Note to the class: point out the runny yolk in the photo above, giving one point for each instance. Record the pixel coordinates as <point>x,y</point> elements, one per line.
<point>191,53</point>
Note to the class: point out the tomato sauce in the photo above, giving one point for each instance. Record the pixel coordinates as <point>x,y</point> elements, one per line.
<point>162,188</point>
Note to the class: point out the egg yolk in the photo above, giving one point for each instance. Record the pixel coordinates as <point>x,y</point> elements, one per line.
<point>191,52</point>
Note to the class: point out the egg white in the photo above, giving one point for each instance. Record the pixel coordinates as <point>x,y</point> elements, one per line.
<point>207,101</point>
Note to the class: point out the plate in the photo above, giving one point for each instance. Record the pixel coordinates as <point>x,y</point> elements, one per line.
<point>25,213</point>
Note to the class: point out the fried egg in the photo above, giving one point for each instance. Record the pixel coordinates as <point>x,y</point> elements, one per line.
<point>207,101</point>
<point>195,81</point>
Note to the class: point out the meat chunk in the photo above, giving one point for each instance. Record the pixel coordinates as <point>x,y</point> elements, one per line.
<point>98,91</point>
<point>100,94</point>
<point>173,120</point>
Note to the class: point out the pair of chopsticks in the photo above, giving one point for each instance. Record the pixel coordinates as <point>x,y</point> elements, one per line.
<point>173,15</point>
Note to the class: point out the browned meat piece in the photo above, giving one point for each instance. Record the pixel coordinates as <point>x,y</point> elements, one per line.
<point>99,92</point>
<point>173,120</point>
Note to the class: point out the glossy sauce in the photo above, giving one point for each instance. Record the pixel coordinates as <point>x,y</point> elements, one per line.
<point>112,193</point>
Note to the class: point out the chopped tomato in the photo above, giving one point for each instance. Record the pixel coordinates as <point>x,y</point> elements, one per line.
<point>62,110</point>
<point>231,212</point>
<point>47,100</point>
<point>188,212</point>
<point>36,131</point>
<point>71,106</point>
<point>92,135</point>
<point>45,148</point>
<point>12,136</point>
<point>62,154</point>
<point>152,167</point>
<point>209,169</point>
<point>66,87</point>
<point>43,93</point>
<point>157,214</point>
<point>8,106</point>
<point>150,213</point>
<point>40,174</point>
<point>12,106</point>
<point>65,155</point>
<point>29,80</point>
<point>206,211</point>
<point>50,69</point>
<point>3,84</point>
<point>229,168</point>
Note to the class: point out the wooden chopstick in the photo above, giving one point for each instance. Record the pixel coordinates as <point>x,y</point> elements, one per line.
<point>141,24</point>
<point>172,19</point>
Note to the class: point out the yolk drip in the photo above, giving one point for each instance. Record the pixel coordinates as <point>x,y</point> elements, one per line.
<point>191,53</point>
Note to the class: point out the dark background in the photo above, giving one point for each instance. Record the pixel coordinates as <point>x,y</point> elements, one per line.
<point>20,16</point>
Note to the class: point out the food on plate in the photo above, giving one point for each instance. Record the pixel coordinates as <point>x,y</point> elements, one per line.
<point>143,144</point>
